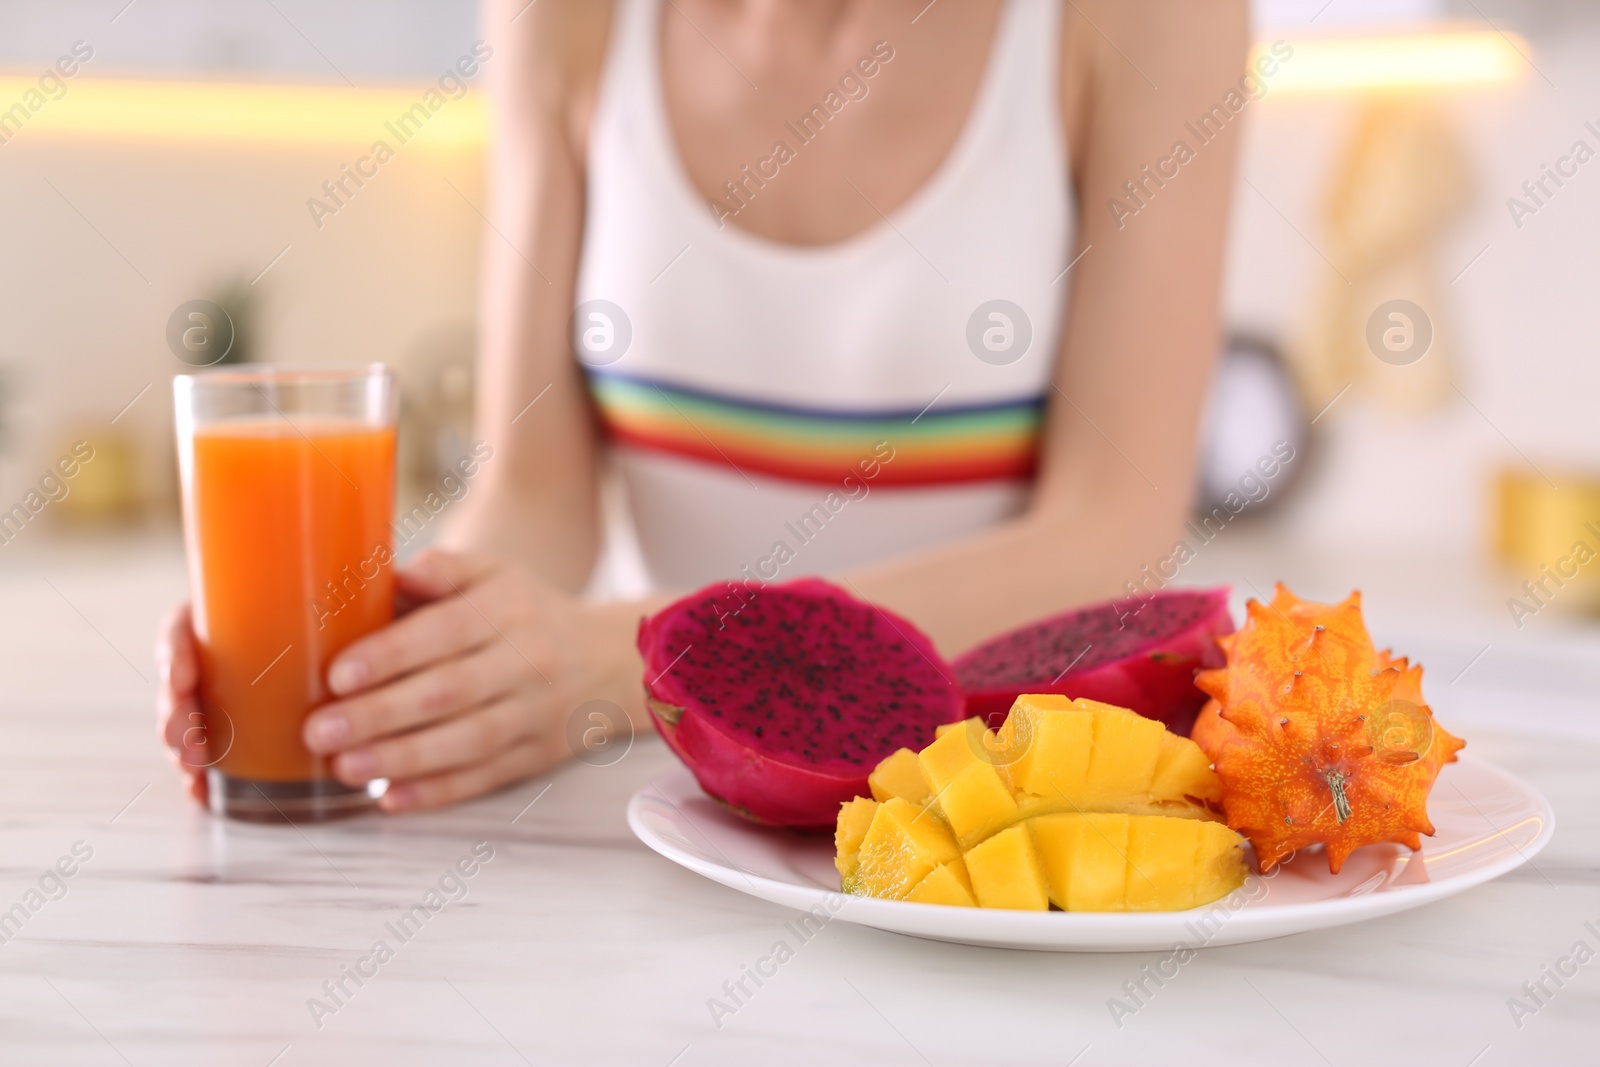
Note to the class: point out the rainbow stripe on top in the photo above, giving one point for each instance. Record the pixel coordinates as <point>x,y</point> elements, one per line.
<point>933,446</point>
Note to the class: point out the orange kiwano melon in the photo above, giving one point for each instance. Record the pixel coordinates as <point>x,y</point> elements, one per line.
<point>1316,736</point>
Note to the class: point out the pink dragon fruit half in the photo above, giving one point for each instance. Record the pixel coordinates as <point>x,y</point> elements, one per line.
<point>1135,654</point>
<point>781,699</point>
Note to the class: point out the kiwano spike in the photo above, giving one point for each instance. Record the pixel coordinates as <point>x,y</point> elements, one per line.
<point>1212,683</point>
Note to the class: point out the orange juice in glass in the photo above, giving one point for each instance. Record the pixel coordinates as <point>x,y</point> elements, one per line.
<point>288,489</point>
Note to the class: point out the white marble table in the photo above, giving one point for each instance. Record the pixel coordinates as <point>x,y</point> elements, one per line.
<point>184,940</point>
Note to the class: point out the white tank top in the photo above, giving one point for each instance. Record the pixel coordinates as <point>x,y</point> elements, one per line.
<point>777,410</point>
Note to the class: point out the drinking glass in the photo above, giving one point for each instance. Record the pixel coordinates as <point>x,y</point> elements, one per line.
<point>288,491</point>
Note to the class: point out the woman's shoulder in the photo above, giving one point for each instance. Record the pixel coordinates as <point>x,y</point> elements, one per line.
<point>1174,32</point>
<point>1115,54</point>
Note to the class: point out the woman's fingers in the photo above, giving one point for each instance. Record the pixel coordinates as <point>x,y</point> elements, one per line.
<point>444,628</point>
<point>436,573</point>
<point>177,706</point>
<point>436,619</point>
<point>175,656</point>
<point>520,761</point>
<point>475,737</point>
<point>185,734</point>
<point>439,692</point>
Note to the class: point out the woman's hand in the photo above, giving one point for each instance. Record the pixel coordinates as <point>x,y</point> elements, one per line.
<point>181,724</point>
<point>472,689</point>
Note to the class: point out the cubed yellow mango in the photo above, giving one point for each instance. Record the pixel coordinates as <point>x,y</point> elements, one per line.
<point>1183,770</point>
<point>1122,762</point>
<point>1106,861</point>
<point>1219,863</point>
<point>950,753</point>
<point>1048,739</point>
<point>1076,803</point>
<point>901,846</point>
<point>945,884</point>
<point>1005,872</point>
<point>967,790</point>
<point>855,817</point>
<point>1084,858</point>
<point>976,804</point>
<point>1161,863</point>
<point>899,775</point>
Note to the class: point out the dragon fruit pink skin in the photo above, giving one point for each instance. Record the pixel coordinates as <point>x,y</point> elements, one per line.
<point>781,699</point>
<point>1139,655</point>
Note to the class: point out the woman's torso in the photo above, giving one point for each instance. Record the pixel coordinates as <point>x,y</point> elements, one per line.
<point>778,409</point>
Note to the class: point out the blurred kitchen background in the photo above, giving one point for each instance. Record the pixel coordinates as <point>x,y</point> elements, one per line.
<point>1381,165</point>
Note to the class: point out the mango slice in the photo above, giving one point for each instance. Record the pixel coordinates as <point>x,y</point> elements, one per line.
<point>947,883</point>
<point>1051,741</point>
<point>1108,861</point>
<point>903,844</point>
<point>1161,872</point>
<point>967,789</point>
<point>1005,872</point>
<point>1183,772</point>
<point>1072,803</point>
<point>899,775</point>
<point>1084,857</point>
<point>1219,863</point>
<point>1122,761</point>
<point>855,817</point>
<point>1090,756</point>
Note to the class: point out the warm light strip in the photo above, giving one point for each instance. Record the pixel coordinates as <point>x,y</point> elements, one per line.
<point>321,114</point>
<point>1398,61</point>
<point>317,114</point>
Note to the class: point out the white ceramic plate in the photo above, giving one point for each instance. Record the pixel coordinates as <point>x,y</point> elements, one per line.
<point>1487,821</point>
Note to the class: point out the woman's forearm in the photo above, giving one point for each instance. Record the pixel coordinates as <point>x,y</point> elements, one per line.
<point>555,537</point>
<point>1040,563</point>
<point>537,502</point>
<point>962,593</point>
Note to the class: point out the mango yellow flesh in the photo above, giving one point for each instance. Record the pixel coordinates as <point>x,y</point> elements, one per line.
<point>1163,866</point>
<point>1050,742</point>
<point>1074,804</point>
<point>967,788</point>
<point>899,775</point>
<point>1108,861</point>
<point>1085,859</point>
<point>855,818</point>
<point>903,844</point>
<point>1006,873</point>
<point>1095,757</point>
<point>1056,755</point>
<point>1096,861</point>
<point>947,883</point>
<point>1184,772</point>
